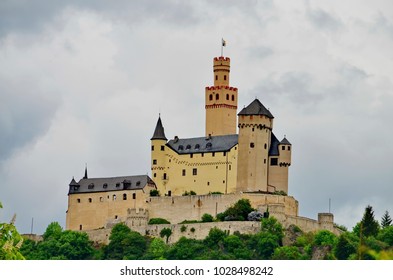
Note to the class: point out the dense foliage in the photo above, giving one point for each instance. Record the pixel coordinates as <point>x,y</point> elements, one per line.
<point>271,242</point>
<point>10,241</point>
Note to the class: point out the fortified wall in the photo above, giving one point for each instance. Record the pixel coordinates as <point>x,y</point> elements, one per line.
<point>178,209</point>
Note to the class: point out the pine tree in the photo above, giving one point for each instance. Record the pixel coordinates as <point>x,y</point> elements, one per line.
<point>369,225</point>
<point>386,220</point>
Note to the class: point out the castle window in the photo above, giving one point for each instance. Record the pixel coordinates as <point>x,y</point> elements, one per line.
<point>217,96</point>
<point>216,77</point>
<point>114,197</point>
<point>162,148</point>
<point>197,146</point>
<point>289,148</point>
<point>124,196</point>
<point>117,185</point>
<point>230,167</point>
<point>224,154</point>
<point>233,97</point>
<point>169,193</point>
<point>283,148</point>
<point>80,227</point>
<point>115,216</point>
<point>138,183</point>
<point>191,155</point>
<point>134,196</point>
<point>105,185</point>
<point>251,117</point>
<point>91,186</point>
<point>155,175</point>
<point>181,147</point>
<point>213,154</point>
<point>183,173</point>
<point>265,146</point>
<point>152,147</point>
<point>154,161</point>
<point>194,171</point>
<point>274,161</point>
<point>101,199</point>
<point>225,77</point>
<point>90,200</point>
<point>252,145</point>
<point>216,166</point>
<point>208,145</point>
<point>164,176</point>
<point>252,129</point>
<point>78,200</point>
<point>210,97</point>
<point>188,147</point>
<point>203,154</point>
<point>227,96</point>
<point>208,183</point>
<point>264,160</point>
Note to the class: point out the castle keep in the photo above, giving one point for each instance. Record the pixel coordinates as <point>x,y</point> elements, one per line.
<point>238,157</point>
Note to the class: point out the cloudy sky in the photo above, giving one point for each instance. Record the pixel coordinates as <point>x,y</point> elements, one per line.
<point>84,82</point>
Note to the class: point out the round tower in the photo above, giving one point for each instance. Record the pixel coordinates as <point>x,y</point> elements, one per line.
<point>255,126</point>
<point>221,100</point>
<point>158,166</point>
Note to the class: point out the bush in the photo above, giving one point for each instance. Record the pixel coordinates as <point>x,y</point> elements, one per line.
<point>207,218</point>
<point>189,193</point>
<point>183,228</point>
<point>238,212</point>
<point>158,221</point>
<point>154,193</point>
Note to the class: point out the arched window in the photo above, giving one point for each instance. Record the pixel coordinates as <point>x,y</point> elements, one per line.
<point>114,197</point>
<point>211,97</point>
<point>188,147</point>
<point>134,196</point>
<point>225,77</point>
<point>233,97</point>
<point>90,200</point>
<point>227,96</point>
<point>181,147</point>
<point>124,196</point>
<point>217,96</point>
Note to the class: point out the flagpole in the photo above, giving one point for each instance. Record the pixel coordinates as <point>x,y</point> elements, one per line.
<point>222,47</point>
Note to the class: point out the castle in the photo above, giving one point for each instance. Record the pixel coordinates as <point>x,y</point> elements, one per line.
<point>238,157</point>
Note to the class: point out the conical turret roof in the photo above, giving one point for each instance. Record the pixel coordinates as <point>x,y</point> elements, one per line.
<point>159,133</point>
<point>256,108</point>
<point>285,141</point>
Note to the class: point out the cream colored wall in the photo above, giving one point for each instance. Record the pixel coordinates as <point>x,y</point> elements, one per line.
<point>214,173</point>
<point>252,171</point>
<point>178,209</point>
<point>95,214</point>
<point>278,175</point>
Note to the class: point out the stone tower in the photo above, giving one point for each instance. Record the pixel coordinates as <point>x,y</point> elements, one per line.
<point>158,166</point>
<point>221,100</point>
<point>255,130</point>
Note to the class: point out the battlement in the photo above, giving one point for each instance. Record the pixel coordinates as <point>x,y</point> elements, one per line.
<point>221,58</point>
<point>221,87</point>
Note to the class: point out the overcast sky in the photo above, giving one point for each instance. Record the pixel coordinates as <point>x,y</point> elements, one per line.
<point>84,82</point>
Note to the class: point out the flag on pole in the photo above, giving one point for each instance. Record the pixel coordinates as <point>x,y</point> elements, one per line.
<point>224,43</point>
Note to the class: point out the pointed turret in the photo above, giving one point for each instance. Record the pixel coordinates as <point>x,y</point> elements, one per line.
<point>285,141</point>
<point>159,133</point>
<point>73,183</point>
<point>85,177</point>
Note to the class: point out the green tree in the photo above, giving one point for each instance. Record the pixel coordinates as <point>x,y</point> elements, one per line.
<point>345,247</point>
<point>215,238</point>
<point>166,232</point>
<point>238,212</point>
<point>386,220</point>
<point>386,235</point>
<point>53,231</point>
<point>125,244</point>
<point>287,253</point>
<point>207,218</point>
<point>271,225</point>
<point>10,241</point>
<point>266,243</point>
<point>156,250</point>
<point>369,226</point>
<point>325,238</point>
<point>186,249</point>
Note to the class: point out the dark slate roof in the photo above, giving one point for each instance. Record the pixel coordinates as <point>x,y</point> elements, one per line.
<point>285,141</point>
<point>273,151</point>
<point>73,182</point>
<point>159,131</point>
<point>110,184</point>
<point>256,108</point>
<point>222,143</point>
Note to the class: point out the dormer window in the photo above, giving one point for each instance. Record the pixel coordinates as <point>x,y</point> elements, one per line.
<point>188,147</point>
<point>209,145</point>
<point>197,146</point>
<point>181,148</point>
<point>117,185</point>
<point>105,185</point>
<point>138,183</point>
<point>91,186</point>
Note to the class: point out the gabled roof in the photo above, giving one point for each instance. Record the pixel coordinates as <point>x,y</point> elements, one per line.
<point>222,143</point>
<point>73,182</point>
<point>285,141</point>
<point>256,108</point>
<point>159,131</point>
<point>273,151</point>
<point>110,184</point>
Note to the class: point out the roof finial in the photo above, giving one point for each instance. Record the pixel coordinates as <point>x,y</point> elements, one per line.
<point>85,177</point>
<point>223,44</point>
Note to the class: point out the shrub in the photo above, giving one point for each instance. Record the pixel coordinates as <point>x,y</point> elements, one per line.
<point>183,228</point>
<point>154,193</point>
<point>158,221</point>
<point>189,193</point>
<point>207,218</point>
